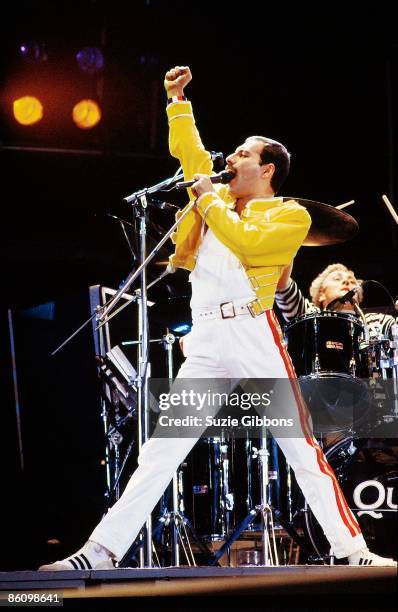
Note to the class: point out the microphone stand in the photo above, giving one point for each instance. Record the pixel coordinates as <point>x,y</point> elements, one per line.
<point>140,206</point>
<point>144,366</point>
<point>170,182</point>
<point>102,316</point>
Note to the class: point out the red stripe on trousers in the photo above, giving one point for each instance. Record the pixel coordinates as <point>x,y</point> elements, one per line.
<point>345,512</point>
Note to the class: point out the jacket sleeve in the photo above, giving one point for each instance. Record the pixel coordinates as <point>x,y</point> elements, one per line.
<point>271,237</point>
<point>185,143</point>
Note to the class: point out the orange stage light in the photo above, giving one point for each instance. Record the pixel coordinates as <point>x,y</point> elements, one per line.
<point>86,114</point>
<point>28,110</point>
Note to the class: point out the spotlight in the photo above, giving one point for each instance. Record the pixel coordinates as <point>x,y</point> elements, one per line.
<point>33,51</point>
<point>86,114</point>
<point>90,60</point>
<point>28,110</point>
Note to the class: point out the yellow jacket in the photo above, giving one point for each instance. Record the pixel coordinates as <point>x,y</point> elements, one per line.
<point>265,238</point>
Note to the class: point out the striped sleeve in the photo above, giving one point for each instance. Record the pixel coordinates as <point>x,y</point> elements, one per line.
<point>379,323</point>
<point>292,303</point>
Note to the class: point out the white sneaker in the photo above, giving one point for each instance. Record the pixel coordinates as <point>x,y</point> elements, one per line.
<point>365,557</point>
<point>91,556</point>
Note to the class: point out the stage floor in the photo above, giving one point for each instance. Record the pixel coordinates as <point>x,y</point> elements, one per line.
<point>371,588</point>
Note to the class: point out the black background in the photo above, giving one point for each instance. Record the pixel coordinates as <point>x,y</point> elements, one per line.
<point>323,83</point>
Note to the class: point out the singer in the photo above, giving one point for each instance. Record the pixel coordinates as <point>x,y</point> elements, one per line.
<point>235,242</point>
<point>329,288</point>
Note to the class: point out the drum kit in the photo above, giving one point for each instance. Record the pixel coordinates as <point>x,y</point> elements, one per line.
<point>351,389</point>
<point>341,373</point>
<point>216,493</point>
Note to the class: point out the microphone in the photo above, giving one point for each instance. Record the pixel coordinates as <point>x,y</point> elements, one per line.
<point>347,297</point>
<point>222,177</point>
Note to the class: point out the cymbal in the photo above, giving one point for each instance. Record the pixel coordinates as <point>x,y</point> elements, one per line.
<point>329,224</point>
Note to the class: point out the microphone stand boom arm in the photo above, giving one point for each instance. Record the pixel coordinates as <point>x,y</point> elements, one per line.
<point>103,311</point>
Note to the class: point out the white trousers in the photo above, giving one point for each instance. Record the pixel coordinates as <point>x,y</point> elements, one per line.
<point>243,347</point>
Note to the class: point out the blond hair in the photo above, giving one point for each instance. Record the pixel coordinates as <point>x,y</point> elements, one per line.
<point>317,284</point>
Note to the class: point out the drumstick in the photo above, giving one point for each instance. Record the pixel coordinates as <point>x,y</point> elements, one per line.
<point>390,208</point>
<point>340,206</point>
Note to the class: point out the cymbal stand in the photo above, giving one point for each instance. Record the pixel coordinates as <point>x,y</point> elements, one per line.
<point>170,518</point>
<point>168,342</point>
<point>175,519</point>
<point>270,553</point>
<point>143,373</point>
<point>393,362</point>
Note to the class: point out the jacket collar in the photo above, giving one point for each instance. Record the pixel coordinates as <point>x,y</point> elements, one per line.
<point>261,204</point>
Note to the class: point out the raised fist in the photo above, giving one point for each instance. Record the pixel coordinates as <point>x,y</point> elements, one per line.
<point>176,79</point>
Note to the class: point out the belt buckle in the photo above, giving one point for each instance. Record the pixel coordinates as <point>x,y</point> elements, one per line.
<point>250,307</point>
<point>232,310</point>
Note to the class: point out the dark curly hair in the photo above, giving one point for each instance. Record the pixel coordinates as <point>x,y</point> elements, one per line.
<point>274,153</point>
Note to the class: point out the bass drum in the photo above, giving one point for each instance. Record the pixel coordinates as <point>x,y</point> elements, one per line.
<point>367,472</point>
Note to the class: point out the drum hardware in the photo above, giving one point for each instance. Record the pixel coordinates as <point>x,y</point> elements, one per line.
<point>209,499</point>
<point>353,363</point>
<point>317,364</point>
<point>381,354</point>
<point>361,315</point>
<point>394,368</point>
<point>266,511</point>
<point>183,536</point>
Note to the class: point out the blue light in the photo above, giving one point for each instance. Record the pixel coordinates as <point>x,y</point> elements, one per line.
<point>42,311</point>
<point>90,60</point>
<point>181,328</point>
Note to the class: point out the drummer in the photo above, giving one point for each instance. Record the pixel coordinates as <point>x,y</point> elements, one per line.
<point>332,283</point>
